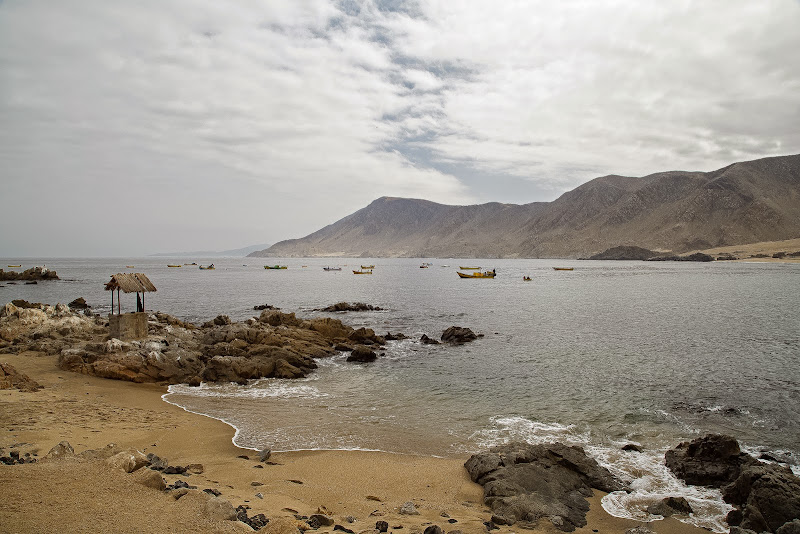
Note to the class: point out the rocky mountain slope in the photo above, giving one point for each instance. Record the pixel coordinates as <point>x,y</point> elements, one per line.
<point>673,211</point>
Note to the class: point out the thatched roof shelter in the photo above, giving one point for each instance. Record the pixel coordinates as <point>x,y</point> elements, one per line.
<point>129,283</point>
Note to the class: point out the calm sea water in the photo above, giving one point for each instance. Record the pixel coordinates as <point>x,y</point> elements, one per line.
<point>610,353</point>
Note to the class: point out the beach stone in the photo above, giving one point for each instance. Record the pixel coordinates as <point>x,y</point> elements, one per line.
<point>123,461</point>
<point>195,469</point>
<point>179,492</point>
<point>219,508</point>
<point>101,454</point>
<point>408,508</point>
<point>150,479</point>
<point>264,454</point>
<point>320,520</point>
<point>631,447</point>
<point>768,496</point>
<point>427,340</point>
<point>433,529</point>
<point>157,463</point>
<point>11,378</point>
<point>382,526</point>
<point>641,529</point>
<point>62,450</point>
<point>281,525</point>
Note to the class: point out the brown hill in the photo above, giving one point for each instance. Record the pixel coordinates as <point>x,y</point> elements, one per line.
<point>670,211</point>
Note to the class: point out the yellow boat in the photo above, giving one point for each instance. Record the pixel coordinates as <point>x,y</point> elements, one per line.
<point>129,267</point>
<point>15,265</point>
<point>367,266</point>
<point>209,268</point>
<point>276,267</point>
<point>487,274</point>
<point>362,272</point>
<point>563,268</point>
<point>470,268</point>
<point>526,278</point>
<point>174,265</point>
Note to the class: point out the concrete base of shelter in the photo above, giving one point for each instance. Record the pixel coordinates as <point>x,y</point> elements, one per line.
<point>128,326</point>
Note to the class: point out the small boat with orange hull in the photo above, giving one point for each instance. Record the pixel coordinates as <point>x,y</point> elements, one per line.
<point>486,274</point>
<point>362,272</point>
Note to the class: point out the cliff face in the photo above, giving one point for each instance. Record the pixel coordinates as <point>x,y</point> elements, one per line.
<point>670,211</point>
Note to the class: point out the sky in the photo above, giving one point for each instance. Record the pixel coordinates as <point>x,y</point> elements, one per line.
<point>130,128</point>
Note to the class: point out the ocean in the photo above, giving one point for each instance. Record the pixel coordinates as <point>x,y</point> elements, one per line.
<point>610,353</point>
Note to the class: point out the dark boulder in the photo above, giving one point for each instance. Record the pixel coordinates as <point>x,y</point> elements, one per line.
<point>768,496</point>
<point>78,304</point>
<point>347,307</point>
<point>362,354</point>
<point>427,340</point>
<point>713,460</point>
<point>458,334</point>
<point>525,483</point>
<point>394,337</point>
<point>366,336</point>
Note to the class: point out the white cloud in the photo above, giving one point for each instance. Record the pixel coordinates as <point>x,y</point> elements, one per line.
<point>308,111</point>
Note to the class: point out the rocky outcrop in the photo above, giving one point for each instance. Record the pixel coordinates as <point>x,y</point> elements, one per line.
<point>525,483</point>
<point>458,334</point>
<point>362,354</point>
<point>11,378</point>
<point>34,273</point>
<point>347,307</point>
<point>276,344</point>
<point>766,496</point>
<point>624,253</point>
<point>712,460</point>
<point>697,256</point>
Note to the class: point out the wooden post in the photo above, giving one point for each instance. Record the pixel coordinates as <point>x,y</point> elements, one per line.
<point>143,292</point>
<point>119,308</point>
<point>112,302</point>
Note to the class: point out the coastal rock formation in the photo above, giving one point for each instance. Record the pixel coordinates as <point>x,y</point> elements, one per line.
<point>767,496</point>
<point>458,334</point>
<point>697,256</point>
<point>362,354</point>
<point>525,483</point>
<point>34,273</point>
<point>275,344</point>
<point>347,307</point>
<point>624,253</point>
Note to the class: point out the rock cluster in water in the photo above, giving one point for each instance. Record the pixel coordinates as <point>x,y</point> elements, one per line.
<point>347,307</point>
<point>766,496</point>
<point>32,274</point>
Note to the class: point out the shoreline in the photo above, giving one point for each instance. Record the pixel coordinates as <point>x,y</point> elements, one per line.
<point>92,412</point>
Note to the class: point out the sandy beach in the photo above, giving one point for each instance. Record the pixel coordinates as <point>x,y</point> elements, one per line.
<point>356,488</point>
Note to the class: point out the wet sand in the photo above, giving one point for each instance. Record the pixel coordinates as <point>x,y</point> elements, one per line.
<point>89,496</point>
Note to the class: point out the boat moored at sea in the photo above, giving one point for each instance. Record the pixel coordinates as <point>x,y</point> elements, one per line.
<point>331,268</point>
<point>563,268</point>
<point>526,278</point>
<point>367,266</point>
<point>486,274</point>
<point>208,268</point>
<point>276,267</point>
<point>174,265</point>
<point>12,266</point>
<point>470,268</point>
<point>362,272</point>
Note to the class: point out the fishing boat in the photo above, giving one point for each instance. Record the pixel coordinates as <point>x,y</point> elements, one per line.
<point>526,278</point>
<point>193,263</point>
<point>486,274</point>
<point>367,266</point>
<point>423,266</point>
<point>563,268</point>
<point>174,265</point>
<point>129,266</point>
<point>362,272</point>
<point>15,265</point>
<point>331,268</point>
<point>276,267</point>
<point>209,268</point>
<point>470,268</point>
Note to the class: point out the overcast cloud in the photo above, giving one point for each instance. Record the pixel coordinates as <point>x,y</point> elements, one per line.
<point>138,127</point>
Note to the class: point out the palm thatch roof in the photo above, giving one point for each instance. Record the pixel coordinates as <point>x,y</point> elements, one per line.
<point>130,283</point>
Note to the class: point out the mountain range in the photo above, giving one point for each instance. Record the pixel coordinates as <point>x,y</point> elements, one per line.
<point>675,211</point>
